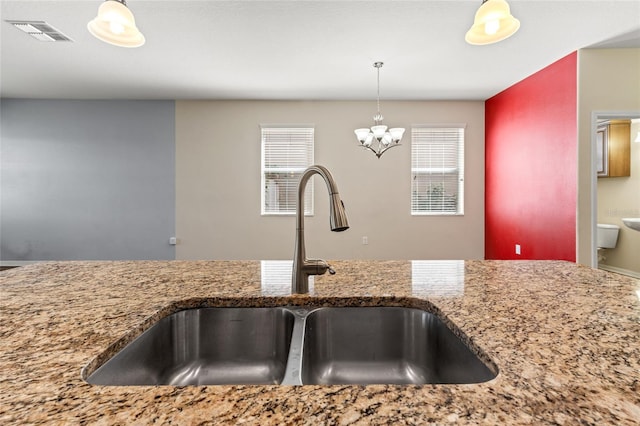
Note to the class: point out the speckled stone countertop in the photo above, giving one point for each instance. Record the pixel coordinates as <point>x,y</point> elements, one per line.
<point>566,340</point>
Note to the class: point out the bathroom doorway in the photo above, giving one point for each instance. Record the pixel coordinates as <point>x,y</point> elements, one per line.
<point>615,195</point>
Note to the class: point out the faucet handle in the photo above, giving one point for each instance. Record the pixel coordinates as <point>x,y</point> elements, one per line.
<point>328,267</point>
<point>317,267</point>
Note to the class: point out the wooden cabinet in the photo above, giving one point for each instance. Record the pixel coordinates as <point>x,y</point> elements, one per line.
<point>613,144</point>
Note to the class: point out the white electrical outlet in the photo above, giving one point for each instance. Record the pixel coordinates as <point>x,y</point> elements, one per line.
<point>365,240</point>
<point>173,241</point>
<point>518,249</point>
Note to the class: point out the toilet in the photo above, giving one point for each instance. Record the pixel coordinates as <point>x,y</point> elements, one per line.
<point>607,236</point>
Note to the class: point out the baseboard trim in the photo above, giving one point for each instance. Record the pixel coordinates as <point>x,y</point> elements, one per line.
<point>622,271</point>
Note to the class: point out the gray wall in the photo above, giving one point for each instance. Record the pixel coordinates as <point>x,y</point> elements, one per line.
<point>87,180</point>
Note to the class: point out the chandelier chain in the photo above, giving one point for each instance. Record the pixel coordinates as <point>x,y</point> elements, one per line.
<point>378,118</point>
<point>378,90</point>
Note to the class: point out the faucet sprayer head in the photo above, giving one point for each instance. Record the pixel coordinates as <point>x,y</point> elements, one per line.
<point>337,214</point>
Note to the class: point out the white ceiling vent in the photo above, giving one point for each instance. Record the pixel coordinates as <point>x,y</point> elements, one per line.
<point>40,30</point>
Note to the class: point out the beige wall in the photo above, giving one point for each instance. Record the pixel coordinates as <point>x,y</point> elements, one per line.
<point>218,183</point>
<point>608,80</point>
<point>618,198</point>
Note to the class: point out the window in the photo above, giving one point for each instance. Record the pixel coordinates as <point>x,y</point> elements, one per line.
<point>437,170</point>
<point>286,153</point>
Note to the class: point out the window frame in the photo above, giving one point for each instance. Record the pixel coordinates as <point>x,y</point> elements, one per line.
<point>459,168</point>
<point>264,169</point>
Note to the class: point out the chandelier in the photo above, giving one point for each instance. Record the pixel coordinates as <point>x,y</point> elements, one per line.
<point>378,139</point>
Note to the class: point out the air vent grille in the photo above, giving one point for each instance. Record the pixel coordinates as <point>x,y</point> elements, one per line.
<point>40,30</point>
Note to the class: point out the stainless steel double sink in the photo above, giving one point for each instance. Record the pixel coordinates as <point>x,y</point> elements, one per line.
<point>295,346</point>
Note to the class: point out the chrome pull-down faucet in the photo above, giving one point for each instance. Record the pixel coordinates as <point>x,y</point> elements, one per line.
<point>303,267</point>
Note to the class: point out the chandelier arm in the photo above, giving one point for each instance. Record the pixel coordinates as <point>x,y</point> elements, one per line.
<point>388,147</point>
<point>371,149</point>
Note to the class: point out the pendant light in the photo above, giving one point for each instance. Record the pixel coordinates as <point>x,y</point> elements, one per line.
<point>383,138</point>
<point>493,23</point>
<point>116,25</point>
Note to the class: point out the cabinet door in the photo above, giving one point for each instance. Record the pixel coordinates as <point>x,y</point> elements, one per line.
<point>619,149</point>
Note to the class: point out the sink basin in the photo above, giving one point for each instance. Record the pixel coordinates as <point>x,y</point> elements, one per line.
<point>385,345</point>
<point>205,346</point>
<point>632,222</point>
<point>295,346</point>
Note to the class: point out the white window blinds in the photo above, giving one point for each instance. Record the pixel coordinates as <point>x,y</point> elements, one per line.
<point>286,153</point>
<point>437,170</point>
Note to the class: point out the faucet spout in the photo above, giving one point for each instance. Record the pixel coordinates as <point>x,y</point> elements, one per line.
<point>303,267</point>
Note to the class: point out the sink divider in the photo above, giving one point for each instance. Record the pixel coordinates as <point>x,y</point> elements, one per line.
<point>293,371</point>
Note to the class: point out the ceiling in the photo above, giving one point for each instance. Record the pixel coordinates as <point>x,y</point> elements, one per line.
<point>309,50</point>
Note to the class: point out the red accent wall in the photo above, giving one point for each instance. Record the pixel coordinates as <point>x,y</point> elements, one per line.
<point>531,159</point>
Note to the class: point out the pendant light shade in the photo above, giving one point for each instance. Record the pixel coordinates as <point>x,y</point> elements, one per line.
<point>493,23</point>
<point>116,25</point>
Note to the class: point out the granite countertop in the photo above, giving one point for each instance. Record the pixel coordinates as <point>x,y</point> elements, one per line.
<point>566,340</point>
